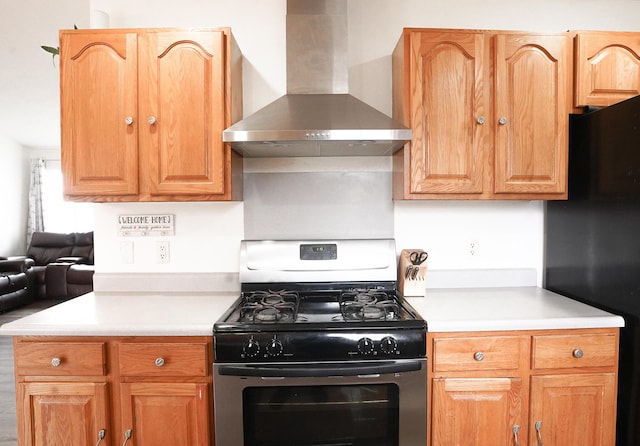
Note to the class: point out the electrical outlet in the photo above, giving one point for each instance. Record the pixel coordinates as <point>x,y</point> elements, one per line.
<point>474,249</point>
<point>162,251</point>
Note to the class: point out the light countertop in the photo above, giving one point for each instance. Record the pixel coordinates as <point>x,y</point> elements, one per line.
<point>127,314</point>
<point>193,314</point>
<point>507,308</point>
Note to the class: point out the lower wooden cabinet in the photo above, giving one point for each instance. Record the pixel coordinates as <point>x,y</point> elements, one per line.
<point>478,411</point>
<point>524,388</point>
<point>62,413</point>
<point>113,391</point>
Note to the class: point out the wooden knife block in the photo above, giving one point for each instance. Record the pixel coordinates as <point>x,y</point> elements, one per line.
<point>411,284</point>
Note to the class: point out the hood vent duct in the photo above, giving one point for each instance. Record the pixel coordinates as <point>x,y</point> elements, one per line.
<point>317,116</point>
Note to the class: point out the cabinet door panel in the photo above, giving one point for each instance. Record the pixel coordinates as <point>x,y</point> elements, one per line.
<point>574,409</point>
<point>62,414</point>
<point>531,115</point>
<point>607,67</point>
<point>185,96</point>
<point>98,75</point>
<point>448,97</point>
<point>175,414</point>
<point>476,411</point>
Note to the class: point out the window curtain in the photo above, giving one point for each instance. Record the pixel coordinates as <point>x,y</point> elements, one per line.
<point>35,219</point>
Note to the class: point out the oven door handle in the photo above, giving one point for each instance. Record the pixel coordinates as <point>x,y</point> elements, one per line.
<point>320,369</point>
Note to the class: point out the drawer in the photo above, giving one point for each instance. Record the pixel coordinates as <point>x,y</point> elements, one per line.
<point>560,351</point>
<point>476,353</point>
<point>60,358</point>
<point>163,359</point>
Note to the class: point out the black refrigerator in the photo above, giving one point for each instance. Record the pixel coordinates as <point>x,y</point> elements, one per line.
<point>592,242</point>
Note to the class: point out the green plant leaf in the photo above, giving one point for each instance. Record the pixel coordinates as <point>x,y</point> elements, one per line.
<point>50,49</point>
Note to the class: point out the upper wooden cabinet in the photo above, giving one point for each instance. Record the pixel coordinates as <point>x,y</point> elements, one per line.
<point>142,114</point>
<point>489,114</point>
<point>607,66</point>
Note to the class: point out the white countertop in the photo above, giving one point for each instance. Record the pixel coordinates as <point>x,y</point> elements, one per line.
<point>127,314</point>
<point>507,308</point>
<point>193,314</point>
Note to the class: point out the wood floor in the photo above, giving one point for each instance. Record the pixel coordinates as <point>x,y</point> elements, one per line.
<point>8,429</point>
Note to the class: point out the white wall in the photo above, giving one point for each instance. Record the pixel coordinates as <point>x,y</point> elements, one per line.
<point>509,234</point>
<point>14,182</point>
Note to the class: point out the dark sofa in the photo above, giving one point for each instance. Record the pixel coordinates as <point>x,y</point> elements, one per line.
<point>56,266</point>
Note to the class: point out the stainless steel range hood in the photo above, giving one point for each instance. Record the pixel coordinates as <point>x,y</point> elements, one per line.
<point>317,116</point>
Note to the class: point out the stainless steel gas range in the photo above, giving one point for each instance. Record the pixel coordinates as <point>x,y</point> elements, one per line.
<point>320,349</point>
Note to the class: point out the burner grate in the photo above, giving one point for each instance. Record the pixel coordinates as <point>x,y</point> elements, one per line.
<point>269,306</point>
<point>368,305</point>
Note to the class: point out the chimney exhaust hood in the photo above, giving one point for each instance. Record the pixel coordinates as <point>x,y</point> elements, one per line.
<point>317,116</point>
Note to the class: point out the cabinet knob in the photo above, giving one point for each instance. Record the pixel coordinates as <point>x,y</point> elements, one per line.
<point>128,120</point>
<point>578,353</point>
<point>515,431</point>
<point>159,362</point>
<point>478,356</point>
<point>480,120</point>
<point>151,120</point>
<point>502,121</point>
<point>55,362</point>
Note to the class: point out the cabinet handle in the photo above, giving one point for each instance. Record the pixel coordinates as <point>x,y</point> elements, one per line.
<point>480,120</point>
<point>128,120</point>
<point>101,434</point>
<point>515,430</point>
<point>538,433</point>
<point>502,121</point>
<point>151,120</point>
<point>159,362</point>
<point>127,435</point>
<point>55,362</point>
<point>478,356</point>
<point>578,353</point>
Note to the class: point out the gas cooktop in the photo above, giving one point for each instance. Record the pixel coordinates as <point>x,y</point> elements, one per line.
<point>296,305</point>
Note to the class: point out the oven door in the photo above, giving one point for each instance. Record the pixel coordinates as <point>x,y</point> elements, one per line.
<point>372,403</point>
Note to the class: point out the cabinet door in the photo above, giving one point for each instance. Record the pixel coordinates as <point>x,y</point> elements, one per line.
<point>157,413</point>
<point>182,112</point>
<point>532,104</point>
<point>573,410</point>
<point>607,67</point>
<point>478,412</point>
<point>448,105</point>
<point>62,413</point>
<point>99,98</point>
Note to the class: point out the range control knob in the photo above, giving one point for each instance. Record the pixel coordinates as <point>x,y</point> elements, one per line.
<point>274,348</point>
<point>388,345</point>
<point>365,346</point>
<point>251,348</point>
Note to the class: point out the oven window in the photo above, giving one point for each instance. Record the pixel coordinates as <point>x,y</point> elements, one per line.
<point>350,415</point>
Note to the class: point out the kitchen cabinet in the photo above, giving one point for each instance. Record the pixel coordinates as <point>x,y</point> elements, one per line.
<point>607,67</point>
<point>489,114</point>
<point>142,390</point>
<point>142,114</point>
<point>523,387</point>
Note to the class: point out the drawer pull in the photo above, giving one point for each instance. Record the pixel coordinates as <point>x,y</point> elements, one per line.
<point>55,362</point>
<point>478,356</point>
<point>159,362</point>
<point>578,353</point>
<point>538,432</point>
<point>515,431</point>
<point>127,436</point>
<point>101,434</point>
